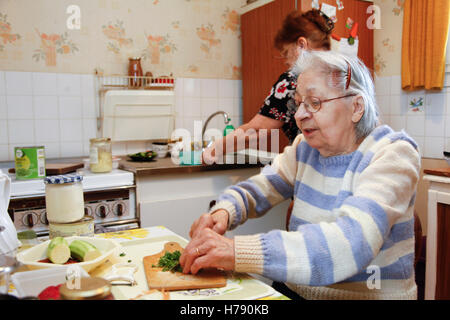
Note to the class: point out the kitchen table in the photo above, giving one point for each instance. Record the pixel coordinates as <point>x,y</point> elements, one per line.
<point>244,286</point>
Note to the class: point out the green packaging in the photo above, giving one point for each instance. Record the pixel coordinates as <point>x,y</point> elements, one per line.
<point>29,162</point>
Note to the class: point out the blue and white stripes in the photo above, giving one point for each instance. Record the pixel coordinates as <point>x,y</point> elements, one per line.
<point>350,212</point>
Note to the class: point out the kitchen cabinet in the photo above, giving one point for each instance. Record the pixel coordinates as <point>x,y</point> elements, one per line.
<point>261,68</point>
<point>437,276</point>
<point>176,200</point>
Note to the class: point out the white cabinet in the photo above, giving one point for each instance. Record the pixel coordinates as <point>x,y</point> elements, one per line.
<point>177,200</point>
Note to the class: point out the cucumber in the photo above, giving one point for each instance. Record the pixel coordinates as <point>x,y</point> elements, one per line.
<point>58,250</point>
<point>83,251</point>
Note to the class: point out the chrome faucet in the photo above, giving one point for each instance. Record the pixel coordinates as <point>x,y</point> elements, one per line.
<point>227,120</point>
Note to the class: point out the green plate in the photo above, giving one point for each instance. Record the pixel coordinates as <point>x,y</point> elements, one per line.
<point>143,156</point>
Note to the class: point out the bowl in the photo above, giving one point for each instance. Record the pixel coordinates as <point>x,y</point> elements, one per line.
<point>31,256</point>
<point>31,283</point>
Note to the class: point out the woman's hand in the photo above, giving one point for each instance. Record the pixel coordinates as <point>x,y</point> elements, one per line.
<point>216,221</point>
<point>209,155</point>
<point>208,250</point>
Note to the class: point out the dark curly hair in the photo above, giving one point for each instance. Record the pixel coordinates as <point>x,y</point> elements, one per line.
<point>315,26</point>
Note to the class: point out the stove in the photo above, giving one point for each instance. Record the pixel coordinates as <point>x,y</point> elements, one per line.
<point>110,198</point>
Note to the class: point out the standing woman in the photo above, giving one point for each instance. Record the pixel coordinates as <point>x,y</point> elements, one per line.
<point>310,30</point>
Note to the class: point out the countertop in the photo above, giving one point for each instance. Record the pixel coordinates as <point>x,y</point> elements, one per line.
<point>166,165</point>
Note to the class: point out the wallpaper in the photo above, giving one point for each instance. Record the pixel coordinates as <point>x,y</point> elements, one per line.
<point>189,38</point>
<point>388,39</point>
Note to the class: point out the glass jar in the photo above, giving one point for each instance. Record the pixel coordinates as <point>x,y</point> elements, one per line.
<point>64,199</point>
<point>100,155</point>
<point>135,72</point>
<point>94,288</point>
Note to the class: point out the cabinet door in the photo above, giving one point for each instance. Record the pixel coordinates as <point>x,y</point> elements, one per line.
<point>443,252</point>
<point>260,67</point>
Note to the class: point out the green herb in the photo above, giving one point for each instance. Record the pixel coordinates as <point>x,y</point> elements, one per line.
<point>122,254</point>
<point>170,262</point>
<point>129,261</point>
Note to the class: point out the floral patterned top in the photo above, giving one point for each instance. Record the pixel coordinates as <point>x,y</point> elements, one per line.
<point>280,105</point>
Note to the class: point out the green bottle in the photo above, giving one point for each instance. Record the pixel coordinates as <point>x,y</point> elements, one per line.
<point>229,128</point>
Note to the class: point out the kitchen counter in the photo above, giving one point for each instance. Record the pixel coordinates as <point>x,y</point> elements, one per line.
<point>166,165</point>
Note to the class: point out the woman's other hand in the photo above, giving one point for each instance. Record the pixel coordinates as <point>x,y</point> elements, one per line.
<point>216,221</point>
<point>208,250</point>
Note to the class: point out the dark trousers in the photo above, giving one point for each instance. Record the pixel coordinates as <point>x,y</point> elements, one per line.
<point>283,289</point>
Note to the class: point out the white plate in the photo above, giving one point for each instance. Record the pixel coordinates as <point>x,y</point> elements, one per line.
<point>31,257</point>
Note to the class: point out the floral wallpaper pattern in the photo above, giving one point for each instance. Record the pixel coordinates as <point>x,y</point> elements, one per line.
<point>6,34</point>
<point>198,38</point>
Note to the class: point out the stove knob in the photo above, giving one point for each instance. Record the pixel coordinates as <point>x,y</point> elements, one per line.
<point>44,219</point>
<point>29,220</point>
<point>119,210</point>
<point>102,211</point>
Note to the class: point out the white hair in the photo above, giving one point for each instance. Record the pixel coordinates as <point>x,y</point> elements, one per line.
<point>335,65</point>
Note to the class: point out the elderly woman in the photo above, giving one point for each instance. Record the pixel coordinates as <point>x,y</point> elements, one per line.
<point>353,182</point>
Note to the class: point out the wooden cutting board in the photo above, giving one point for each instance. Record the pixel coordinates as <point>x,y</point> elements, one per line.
<point>444,172</point>
<point>58,168</point>
<point>158,279</point>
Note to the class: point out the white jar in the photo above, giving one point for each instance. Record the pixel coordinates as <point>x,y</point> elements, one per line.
<point>64,198</point>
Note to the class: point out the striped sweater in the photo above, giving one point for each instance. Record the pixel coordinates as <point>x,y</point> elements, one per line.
<point>352,224</point>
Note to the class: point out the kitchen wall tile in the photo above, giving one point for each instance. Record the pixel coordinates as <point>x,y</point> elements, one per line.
<point>3,108</point>
<point>433,147</point>
<point>398,122</point>
<point>237,121</point>
<point>238,88</point>
<point>191,87</point>
<point>179,122</point>
<point>18,83</point>
<point>69,84</point>
<point>385,119</point>
<point>119,148</point>
<point>396,85</point>
<point>47,131</point>
<point>227,105</point>
<point>209,88</point>
<point>435,103</point>
<point>70,107</point>
<point>192,107</point>
<point>447,102</point>
<point>179,87</point>
<point>447,126</point>
<point>87,85</point>
<point>226,88</point>
<point>447,144</point>
<point>191,123</point>
<point>209,106</point>
<point>415,125</point>
<point>382,86</point>
<point>71,130</point>
<point>20,107</point>
<point>238,110</point>
<point>434,126</point>
<point>45,107</point>
<point>136,146</point>
<point>88,107</point>
<point>71,149</point>
<point>3,132</point>
<point>21,132</point>
<point>2,83</point>
<point>398,104</point>
<point>51,150</point>
<point>4,152</point>
<point>89,129</point>
<point>44,83</point>
<point>384,106</point>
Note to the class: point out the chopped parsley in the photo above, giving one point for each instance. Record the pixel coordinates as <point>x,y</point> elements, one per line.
<point>170,262</point>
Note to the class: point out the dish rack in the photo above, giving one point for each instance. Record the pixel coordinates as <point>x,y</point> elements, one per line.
<point>134,96</point>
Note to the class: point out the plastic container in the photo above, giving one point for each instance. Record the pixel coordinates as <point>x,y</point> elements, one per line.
<point>100,155</point>
<point>84,227</point>
<point>64,198</point>
<point>31,283</point>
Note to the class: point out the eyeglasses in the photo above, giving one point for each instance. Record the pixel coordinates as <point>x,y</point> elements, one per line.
<point>313,104</point>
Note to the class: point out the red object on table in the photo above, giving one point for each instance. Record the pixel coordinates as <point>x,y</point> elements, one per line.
<point>335,37</point>
<point>354,30</point>
<point>50,293</point>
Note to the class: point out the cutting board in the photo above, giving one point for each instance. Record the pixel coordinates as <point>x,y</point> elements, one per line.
<point>158,279</point>
<point>57,168</point>
<point>444,172</point>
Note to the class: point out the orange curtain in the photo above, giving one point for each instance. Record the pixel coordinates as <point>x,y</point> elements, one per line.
<point>425,31</point>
